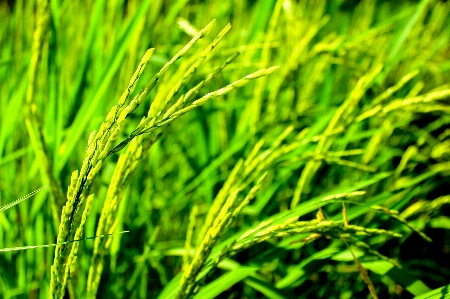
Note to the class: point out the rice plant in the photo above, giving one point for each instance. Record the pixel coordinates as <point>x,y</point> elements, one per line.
<point>250,149</point>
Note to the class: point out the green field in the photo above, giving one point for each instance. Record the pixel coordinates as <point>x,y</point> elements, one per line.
<point>225,149</point>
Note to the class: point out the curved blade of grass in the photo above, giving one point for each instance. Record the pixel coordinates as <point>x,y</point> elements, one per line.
<point>264,288</point>
<point>255,280</point>
<point>218,286</point>
<point>440,293</point>
<point>171,289</point>
<point>414,285</point>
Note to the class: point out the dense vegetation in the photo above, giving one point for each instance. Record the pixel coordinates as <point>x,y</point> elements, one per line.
<point>302,152</point>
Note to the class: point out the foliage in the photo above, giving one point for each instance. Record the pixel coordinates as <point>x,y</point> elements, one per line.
<point>302,151</point>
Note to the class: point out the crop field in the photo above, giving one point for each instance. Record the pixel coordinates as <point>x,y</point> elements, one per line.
<point>224,149</point>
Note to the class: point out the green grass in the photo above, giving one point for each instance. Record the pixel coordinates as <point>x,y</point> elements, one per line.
<point>302,152</point>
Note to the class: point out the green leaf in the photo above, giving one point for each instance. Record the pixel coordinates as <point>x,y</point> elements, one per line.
<point>215,288</point>
<point>440,293</point>
<point>265,288</point>
<point>414,285</point>
<point>255,280</point>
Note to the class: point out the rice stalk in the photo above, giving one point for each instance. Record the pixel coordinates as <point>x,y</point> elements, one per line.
<point>229,211</point>
<point>79,201</point>
<point>149,131</point>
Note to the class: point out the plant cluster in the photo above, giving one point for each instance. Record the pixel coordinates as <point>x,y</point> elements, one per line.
<point>302,153</point>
